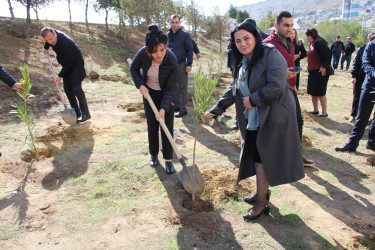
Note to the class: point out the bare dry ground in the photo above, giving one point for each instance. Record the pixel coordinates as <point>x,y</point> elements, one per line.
<point>93,187</point>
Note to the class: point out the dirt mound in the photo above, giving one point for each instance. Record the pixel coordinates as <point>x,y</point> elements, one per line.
<point>306,142</point>
<point>28,155</point>
<point>224,79</point>
<point>220,186</point>
<point>132,107</point>
<point>111,78</point>
<point>15,169</point>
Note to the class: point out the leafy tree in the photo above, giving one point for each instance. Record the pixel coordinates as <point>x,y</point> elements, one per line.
<point>194,16</point>
<point>37,4</point>
<point>332,28</point>
<point>268,22</point>
<point>242,15</point>
<point>217,26</point>
<point>105,5</point>
<point>232,12</point>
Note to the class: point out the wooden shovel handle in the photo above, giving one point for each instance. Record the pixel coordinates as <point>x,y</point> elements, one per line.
<point>162,123</point>
<point>57,85</point>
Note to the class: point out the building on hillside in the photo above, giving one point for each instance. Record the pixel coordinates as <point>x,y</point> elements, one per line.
<point>351,9</point>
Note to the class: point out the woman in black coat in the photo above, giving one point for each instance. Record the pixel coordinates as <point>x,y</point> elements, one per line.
<point>299,52</point>
<point>159,79</point>
<point>319,58</point>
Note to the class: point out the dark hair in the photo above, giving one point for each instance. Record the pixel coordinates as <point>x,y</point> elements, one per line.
<point>250,20</point>
<point>314,34</point>
<point>153,38</point>
<point>371,36</point>
<point>45,31</point>
<point>174,16</point>
<point>152,27</point>
<point>258,50</point>
<point>338,37</point>
<point>282,14</point>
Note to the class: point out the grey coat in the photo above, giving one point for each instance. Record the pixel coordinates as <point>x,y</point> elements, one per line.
<point>278,141</point>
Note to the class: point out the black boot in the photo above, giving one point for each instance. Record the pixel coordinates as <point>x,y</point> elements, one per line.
<point>169,168</point>
<point>154,161</point>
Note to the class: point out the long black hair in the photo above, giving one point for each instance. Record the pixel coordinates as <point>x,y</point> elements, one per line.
<point>153,38</point>
<point>258,50</point>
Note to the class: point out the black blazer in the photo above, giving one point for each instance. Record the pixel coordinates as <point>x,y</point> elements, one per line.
<point>167,74</point>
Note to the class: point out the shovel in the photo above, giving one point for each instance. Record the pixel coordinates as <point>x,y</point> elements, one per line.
<point>190,177</point>
<point>69,115</point>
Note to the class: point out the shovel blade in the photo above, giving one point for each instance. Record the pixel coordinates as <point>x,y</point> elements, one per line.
<point>69,116</point>
<point>192,180</point>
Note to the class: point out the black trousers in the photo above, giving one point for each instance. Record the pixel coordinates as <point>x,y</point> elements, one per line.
<point>357,89</point>
<point>74,91</point>
<point>153,126</point>
<point>366,105</point>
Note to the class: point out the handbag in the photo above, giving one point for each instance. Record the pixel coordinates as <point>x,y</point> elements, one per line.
<point>329,70</point>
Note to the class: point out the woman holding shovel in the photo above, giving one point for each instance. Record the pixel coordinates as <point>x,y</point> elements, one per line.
<point>266,114</point>
<point>159,80</point>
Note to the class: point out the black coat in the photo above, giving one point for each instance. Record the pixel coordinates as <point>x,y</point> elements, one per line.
<point>337,47</point>
<point>349,48</point>
<point>167,74</point>
<point>368,65</point>
<point>69,56</point>
<point>357,71</point>
<point>300,50</point>
<point>6,77</point>
<point>323,52</point>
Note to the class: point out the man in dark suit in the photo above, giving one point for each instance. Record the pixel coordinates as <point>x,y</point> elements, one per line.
<point>73,71</point>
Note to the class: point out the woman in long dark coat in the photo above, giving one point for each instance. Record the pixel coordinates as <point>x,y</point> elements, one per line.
<point>269,134</point>
<point>299,52</point>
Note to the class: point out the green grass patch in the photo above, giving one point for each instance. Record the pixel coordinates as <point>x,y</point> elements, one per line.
<point>8,232</point>
<point>113,189</point>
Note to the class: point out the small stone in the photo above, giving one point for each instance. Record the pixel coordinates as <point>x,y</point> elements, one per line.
<point>372,236</point>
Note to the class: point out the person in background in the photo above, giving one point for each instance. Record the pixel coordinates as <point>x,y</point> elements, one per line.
<point>159,69</point>
<point>299,52</point>
<point>9,80</point>
<point>195,46</point>
<point>73,69</point>
<point>252,21</point>
<point>179,41</point>
<point>358,76</point>
<point>366,104</point>
<point>318,59</point>
<point>347,52</point>
<point>280,38</point>
<point>337,48</point>
<point>264,106</point>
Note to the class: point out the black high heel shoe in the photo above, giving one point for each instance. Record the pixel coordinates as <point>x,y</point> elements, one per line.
<point>252,199</point>
<point>154,161</point>
<point>265,211</point>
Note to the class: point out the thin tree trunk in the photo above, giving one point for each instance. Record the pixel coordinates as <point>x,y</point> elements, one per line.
<point>28,19</point>
<point>86,19</point>
<point>11,9</point>
<point>106,19</point>
<point>70,18</point>
<point>35,8</point>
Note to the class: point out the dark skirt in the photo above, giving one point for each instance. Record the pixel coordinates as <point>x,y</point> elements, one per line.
<point>251,145</point>
<point>317,84</point>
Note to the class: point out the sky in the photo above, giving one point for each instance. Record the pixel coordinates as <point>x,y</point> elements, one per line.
<point>59,10</point>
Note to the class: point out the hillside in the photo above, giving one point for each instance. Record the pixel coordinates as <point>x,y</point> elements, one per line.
<point>93,187</point>
<point>296,7</point>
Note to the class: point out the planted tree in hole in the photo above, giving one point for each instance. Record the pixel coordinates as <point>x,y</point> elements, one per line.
<point>203,89</point>
<point>22,109</point>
